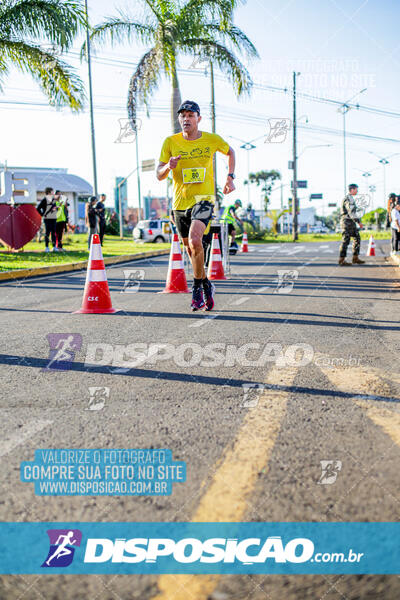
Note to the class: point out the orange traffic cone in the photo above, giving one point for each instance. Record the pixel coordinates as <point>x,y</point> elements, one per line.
<point>96,296</point>
<point>215,268</point>
<point>176,278</point>
<point>371,247</point>
<point>244,247</point>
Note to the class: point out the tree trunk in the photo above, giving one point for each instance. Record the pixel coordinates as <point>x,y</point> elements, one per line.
<point>176,101</point>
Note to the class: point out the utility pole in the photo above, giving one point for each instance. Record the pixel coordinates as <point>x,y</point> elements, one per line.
<point>91,100</point>
<point>213,130</point>
<point>294,190</point>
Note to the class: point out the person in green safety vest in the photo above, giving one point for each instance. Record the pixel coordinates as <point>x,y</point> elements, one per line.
<point>229,216</point>
<point>62,218</point>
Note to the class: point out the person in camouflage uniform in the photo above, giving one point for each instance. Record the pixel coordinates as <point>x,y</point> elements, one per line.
<point>349,217</point>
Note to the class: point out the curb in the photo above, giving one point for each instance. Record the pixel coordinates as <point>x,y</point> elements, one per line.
<point>78,266</point>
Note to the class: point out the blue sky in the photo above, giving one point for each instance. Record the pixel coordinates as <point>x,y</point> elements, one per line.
<point>339,46</point>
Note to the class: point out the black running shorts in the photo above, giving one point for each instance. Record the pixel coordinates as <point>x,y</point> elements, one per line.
<point>202,211</point>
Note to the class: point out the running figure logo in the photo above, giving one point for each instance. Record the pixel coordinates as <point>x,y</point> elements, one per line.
<point>251,394</point>
<point>98,397</point>
<point>278,130</point>
<point>63,347</point>
<point>127,133</point>
<point>286,279</point>
<point>330,471</point>
<point>133,277</point>
<point>61,551</point>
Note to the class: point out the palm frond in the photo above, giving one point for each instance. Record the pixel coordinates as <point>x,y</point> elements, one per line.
<point>57,80</point>
<point>56,20</point>
<point>3,72</point>
<point>221,9</point>
<point>120,29</point>
<point>235,35</point>
<point>144,81</point>
<point>226,61</point>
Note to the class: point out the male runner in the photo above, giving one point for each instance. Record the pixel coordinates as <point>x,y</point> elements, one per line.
<point>189,155</point>
<point>229,216</point>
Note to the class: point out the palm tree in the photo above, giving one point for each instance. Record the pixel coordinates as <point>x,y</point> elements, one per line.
<point>265,179</point>
<point>275,215</point>
<point>193,27</point>
<point>32,35</point>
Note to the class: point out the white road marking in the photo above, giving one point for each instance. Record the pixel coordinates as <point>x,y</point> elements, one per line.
<point>23,434</point>
<point>241,301</point>
<point>203,321</point>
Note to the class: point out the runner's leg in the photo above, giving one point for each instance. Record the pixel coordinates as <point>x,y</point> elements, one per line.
<point>196,231</point>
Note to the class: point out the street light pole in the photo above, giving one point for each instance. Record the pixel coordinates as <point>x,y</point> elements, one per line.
<point>366,174</point>
<point>138,176</point>
<point>91,100</point>
<point>213,130</point>
<point>294,207</point>
<point>384,162</point>
<point>344,108</point>
<point>248,146</point>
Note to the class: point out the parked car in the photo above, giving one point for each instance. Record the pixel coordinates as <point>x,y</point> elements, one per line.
<point>319,229</point>
<point>150,231</point>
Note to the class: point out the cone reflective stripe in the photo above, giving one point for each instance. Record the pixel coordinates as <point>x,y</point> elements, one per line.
<point>245,247</point>
<point>176,278</point>
<point>96,296</point>
<point>371,247</point>
<point>215,268</point>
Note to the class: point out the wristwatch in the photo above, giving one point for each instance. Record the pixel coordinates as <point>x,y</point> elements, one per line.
<point>232,175</point>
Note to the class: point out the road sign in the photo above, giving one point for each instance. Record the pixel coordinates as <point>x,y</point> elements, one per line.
<point>332,205</point>
<point>316,196</point>
<point>291,164</point>
<point>148,165</point>
<point>302,183</point>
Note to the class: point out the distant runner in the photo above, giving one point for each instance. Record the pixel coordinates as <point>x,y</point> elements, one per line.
<point>189,155</point>
<point>229,216</point>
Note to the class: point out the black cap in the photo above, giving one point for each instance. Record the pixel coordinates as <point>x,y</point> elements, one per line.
<point>352,186</point>
<point>189,105</point>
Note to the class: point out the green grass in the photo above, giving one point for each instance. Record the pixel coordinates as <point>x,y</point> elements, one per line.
<point>33,254</point>
<point>317,237</point>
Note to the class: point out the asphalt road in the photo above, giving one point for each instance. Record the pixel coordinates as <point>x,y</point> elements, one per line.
<point>254,457</point>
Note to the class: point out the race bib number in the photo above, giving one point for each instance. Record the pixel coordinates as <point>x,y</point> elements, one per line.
<point>194,175</point>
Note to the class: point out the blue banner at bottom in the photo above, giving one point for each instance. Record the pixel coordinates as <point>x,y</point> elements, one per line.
<point>200,548</point>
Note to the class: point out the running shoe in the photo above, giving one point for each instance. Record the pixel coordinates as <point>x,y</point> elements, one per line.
<point>197,298</point>
<point>209,291</point>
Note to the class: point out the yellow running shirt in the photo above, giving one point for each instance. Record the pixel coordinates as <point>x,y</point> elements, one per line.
<point>194,174</point>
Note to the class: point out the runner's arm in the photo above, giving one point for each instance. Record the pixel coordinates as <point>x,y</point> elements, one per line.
<point>229,185</point>
<point>163,169</point>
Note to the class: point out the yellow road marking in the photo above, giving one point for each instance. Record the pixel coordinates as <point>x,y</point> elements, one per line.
<point>360,380</point>
<point>235,478</point>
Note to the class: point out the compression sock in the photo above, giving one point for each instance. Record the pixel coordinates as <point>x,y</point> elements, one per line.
<point>197,282</point>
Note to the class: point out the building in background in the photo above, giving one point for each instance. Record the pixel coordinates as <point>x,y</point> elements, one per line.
<point>36,180</point>
<point>155,207</point>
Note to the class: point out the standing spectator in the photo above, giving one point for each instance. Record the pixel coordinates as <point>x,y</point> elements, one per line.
<point>47,208</point>
<point>62,218</point>
<point>91,218</point>
<point>395,225</point>
<point>349,219</point>
<point>101,213</point>
<point>390,205</point>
